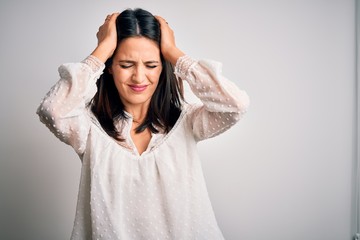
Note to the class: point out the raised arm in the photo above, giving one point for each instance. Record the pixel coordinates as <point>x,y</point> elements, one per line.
<point>223,102</point>
<point>64,108</point>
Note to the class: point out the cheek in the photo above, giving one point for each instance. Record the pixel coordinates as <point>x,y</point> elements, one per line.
<point>121,76</point>
<point>154,76</point>
<point>120,79</point>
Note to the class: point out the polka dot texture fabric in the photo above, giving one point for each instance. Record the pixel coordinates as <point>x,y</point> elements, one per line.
<point>160,194</point>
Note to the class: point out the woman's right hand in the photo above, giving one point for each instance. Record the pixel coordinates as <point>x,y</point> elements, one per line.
<point>107,38</point>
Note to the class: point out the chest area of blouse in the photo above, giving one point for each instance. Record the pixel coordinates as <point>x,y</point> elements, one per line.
<point>179,140</point>
<point>172,158</point>
<point>140,140</point>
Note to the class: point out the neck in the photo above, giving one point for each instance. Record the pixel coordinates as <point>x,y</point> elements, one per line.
<point>138,112</point>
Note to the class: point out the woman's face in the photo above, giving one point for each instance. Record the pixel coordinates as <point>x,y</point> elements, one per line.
<point>136,70</point>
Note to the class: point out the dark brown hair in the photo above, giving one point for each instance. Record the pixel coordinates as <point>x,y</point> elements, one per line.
<point>165,104</point>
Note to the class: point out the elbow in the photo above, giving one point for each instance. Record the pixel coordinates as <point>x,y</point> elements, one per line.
<point>238,109</point>
<point>242,103</point>
<point>45,114</point>
<point>51,119</point>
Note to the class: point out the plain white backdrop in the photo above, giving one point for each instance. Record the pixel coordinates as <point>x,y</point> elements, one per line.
<point>284,172</point>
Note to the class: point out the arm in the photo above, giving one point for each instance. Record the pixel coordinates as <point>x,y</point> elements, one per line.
<point>64,109</point>
<point>223,102</point>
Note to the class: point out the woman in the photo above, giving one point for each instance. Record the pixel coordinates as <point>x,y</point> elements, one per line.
<point>122,111</point>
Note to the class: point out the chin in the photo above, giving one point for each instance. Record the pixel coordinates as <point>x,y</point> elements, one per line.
<point>137,100</point>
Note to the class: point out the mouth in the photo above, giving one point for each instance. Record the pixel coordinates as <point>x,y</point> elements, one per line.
<point>138,88</point>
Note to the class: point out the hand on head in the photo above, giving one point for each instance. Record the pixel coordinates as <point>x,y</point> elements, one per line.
<point>107,38</point>
<point>168,46</point>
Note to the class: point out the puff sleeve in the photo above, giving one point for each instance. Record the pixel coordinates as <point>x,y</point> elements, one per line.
<point>223,102</point>
<point>64,108</point>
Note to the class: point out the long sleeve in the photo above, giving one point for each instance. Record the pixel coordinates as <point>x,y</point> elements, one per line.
<point>223,102</point>
<point>63,109</point>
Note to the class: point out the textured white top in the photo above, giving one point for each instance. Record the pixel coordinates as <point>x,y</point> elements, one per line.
<point>160,194</point>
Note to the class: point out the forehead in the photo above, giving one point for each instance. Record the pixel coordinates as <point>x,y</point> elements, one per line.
<point>137,48</point>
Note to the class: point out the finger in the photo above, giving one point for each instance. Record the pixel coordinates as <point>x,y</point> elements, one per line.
<point>107,18</point>
<point>111,16</point>
<point>161,19</point>
<point>114,16</point>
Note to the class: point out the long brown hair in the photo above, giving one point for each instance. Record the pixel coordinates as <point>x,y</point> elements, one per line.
<point>165,104</point>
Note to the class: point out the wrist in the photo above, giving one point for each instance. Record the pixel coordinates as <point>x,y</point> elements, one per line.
<point>173,54</point>
<point>102,52</point>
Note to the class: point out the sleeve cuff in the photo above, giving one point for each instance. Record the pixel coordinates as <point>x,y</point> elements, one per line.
<point>94,63</point>
<point>183,65</point>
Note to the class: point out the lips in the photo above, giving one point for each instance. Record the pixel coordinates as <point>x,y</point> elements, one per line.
<point>138,88</point>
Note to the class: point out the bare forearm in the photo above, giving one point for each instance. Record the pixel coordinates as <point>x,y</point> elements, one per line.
<point>173,55</point>
<point>102,53</point>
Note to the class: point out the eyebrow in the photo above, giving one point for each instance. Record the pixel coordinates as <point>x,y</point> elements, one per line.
<point>130,61</point>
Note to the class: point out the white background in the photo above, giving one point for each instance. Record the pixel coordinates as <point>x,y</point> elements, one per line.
<point>284,172</point>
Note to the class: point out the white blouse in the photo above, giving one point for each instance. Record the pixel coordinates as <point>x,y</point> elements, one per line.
<point>160,194</point>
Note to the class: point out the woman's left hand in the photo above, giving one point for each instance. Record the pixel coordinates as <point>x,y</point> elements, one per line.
<point>168,47</point>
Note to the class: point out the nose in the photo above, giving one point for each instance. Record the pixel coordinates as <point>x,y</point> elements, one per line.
<point>139,75</point>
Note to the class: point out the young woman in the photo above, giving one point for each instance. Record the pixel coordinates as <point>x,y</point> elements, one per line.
<point>122,110</point>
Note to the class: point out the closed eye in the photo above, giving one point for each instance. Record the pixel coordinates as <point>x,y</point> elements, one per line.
<point>151,66</point>
<point>125,66</point>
